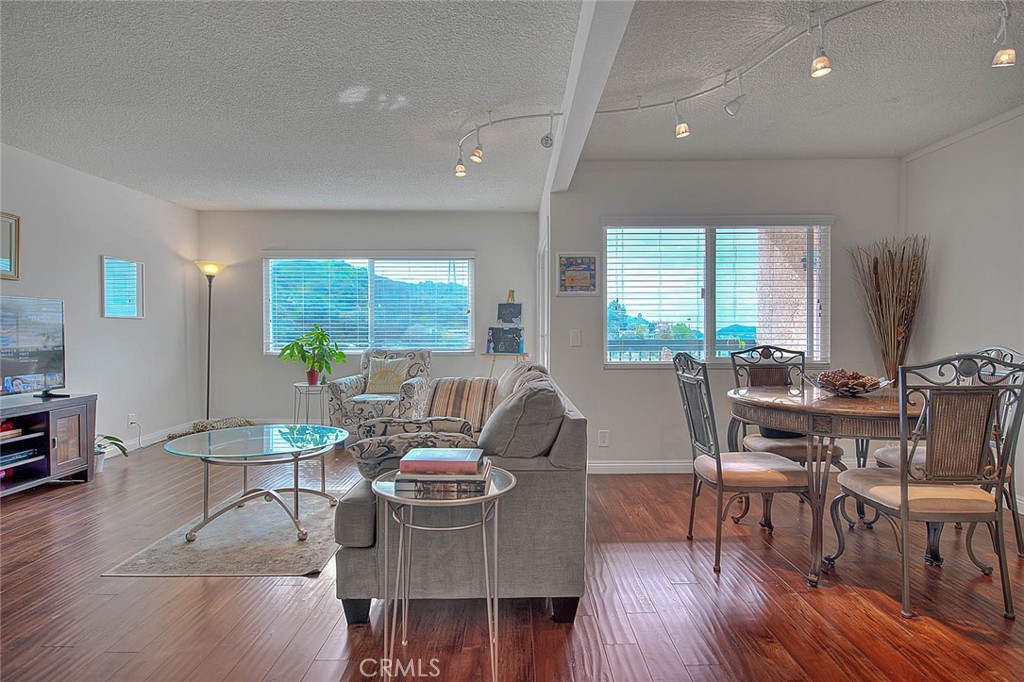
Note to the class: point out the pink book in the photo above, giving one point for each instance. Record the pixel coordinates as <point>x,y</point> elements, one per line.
<point>441,461</point>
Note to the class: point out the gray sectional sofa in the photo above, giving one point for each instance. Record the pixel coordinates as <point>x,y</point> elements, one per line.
<point>542,521</point>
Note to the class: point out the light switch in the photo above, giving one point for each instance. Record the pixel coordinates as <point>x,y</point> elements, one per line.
<point>575,338</point>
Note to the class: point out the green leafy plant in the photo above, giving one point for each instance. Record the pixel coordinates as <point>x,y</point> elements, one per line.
<point>104,442</point>
<point>314,350</point>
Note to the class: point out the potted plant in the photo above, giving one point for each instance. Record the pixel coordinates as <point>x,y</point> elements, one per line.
<point>103,443</point>
<point>316,352</point>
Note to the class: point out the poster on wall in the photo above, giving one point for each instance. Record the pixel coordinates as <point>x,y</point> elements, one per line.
<point>577,274</point>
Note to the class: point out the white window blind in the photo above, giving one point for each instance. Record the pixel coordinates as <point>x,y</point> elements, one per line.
<point>370,302</point>
<point>122,288</point>
<point>709,290</point>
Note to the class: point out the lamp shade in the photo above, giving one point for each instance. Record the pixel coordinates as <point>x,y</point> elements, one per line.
<point>682,130</point>
<point>822,65</point>
<point>1005,57</point>
<point>477,155</point>
<point>210,268</point>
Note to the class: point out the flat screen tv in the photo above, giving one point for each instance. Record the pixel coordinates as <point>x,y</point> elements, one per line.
<point>31,345</point>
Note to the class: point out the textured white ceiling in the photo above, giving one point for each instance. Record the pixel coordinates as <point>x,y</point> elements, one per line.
<point>907,74</point>
<point>340,105</point>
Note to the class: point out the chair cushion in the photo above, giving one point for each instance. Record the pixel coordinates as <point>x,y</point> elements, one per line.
<point>889,456</point>
<point>883,486</point>
<point>507,381</point>
<point>374,456</point>
<point>791,448</point>
<point>386,375</point>
<point>373,398</point>
<point>526,423</point>
<point>752,470</point>
<point>388,426</point>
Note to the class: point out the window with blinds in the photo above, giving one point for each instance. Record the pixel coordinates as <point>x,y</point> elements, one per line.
<point>370,302</point>
<point>122,288</point>
<point>709,290</point>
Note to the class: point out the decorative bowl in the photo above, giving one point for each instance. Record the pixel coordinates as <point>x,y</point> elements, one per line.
<point>847,384</point>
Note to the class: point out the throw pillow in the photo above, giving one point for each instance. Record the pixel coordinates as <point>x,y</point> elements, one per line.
<point>526,423</point>
<point>387,376</point>
<point>507,381</point>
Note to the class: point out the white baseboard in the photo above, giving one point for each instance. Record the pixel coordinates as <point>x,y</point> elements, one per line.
<point>640,466</point>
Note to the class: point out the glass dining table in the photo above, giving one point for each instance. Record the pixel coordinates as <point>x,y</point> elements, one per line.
<point>262,445</point>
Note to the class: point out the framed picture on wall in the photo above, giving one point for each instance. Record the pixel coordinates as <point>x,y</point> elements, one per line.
<point>10,246</point>
<point>577,274</point>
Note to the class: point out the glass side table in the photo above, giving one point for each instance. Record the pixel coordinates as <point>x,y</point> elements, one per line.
<point>304,393</point>
<point>401,510</point>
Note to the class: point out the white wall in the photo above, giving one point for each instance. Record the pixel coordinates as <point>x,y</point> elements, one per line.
<point>967,194</point>
<point>248,383</point>
<point>641,407</point>
<point>68,220</point>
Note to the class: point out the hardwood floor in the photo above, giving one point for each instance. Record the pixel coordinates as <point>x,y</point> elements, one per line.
<point>654,610</point>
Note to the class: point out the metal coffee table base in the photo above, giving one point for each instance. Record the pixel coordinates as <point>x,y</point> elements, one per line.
<point>267,494</point>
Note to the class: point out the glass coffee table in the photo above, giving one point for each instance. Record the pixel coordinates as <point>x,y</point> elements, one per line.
<point>263,445</point>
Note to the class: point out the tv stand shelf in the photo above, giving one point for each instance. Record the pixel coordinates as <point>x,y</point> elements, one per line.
<point>57,440</point>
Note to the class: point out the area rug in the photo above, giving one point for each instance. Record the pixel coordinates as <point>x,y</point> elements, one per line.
<point>255,540</point>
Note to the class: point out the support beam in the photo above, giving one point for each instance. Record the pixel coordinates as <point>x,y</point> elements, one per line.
<point>598,34</point>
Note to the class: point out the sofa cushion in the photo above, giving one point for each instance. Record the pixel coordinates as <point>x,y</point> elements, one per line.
<point>374,456</point>
<point>526,423</point>
<point>471,399</point>
<point>355,516</point>
<point>507,380</point>
<point>386,376</point>
<point>527,377</point>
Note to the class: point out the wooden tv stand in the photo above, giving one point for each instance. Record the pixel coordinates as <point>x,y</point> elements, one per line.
<point>56,440</point>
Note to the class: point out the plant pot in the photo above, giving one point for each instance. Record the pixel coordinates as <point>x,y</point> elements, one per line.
<point>98,459</point>
<point>312,376</point>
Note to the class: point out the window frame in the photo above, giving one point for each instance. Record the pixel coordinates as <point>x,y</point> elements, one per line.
<point>715,221</point>
<point>140,289</point>
<point>470,256</point>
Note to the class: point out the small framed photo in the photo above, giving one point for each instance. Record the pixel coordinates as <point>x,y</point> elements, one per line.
<point>578,274</point>
<point>10,246</point>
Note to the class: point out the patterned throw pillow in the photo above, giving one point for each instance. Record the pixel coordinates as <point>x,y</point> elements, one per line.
<point>386,376</point>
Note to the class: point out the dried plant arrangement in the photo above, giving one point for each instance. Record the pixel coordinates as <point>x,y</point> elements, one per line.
<point>891,275</point>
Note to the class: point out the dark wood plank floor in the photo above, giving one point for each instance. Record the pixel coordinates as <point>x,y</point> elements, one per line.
<point>653,609</point>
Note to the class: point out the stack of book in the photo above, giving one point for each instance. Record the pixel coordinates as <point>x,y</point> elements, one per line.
<point>443,474</point>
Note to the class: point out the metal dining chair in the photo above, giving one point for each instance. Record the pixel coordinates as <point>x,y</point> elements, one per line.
<point>889,457</point>
<point>767,365</point>
<point>736,473</point>
<point>969,418</point>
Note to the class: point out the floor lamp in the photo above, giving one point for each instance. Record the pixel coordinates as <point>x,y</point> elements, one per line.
<point>211,269</point>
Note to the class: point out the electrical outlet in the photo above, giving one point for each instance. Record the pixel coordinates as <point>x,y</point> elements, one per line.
<point>131,420</point>
<point>603,439</point>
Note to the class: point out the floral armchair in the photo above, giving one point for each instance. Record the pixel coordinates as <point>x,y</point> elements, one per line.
<point>351,404</point>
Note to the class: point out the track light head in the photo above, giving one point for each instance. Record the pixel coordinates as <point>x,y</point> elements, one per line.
<point>682,130</point>
<point>733,107</point>
<point>1006,56</point>
<point>821,65</point>
<point>477,155</point>
<point>460,168</point>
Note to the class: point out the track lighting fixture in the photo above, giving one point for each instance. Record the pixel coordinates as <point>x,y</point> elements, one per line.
<point>477,155</point>
<point>1005,56</point>
<point>682,130</point>
<point>733,107</point>
<point>460,168</point>
<point>820,65</point>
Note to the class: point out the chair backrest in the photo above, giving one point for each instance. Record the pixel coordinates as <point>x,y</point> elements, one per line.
<point>968,413</point>
<point>419,360</point>
<point>766,366</point>
<point>695,389</point>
